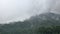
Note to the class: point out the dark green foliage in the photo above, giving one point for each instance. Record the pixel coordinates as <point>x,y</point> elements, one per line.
<point>49,30</point>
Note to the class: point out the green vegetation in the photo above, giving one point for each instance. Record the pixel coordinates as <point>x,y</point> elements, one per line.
<point>35,25</point>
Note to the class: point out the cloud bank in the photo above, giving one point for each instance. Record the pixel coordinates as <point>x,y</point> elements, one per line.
<point>19,10</point>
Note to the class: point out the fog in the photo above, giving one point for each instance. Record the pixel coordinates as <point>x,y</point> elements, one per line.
<point>19,10</point>
<point>14,10</point>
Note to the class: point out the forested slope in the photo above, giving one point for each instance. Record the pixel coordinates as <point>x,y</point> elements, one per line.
<point>47,23</point>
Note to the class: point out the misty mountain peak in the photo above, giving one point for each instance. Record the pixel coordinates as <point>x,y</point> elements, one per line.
<point>46,16</point>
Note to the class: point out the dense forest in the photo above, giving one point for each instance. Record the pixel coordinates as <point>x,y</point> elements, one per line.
<point>47,23</point>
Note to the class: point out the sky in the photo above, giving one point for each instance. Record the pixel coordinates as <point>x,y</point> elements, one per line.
<point>11,10</point>
<point>19,10</point>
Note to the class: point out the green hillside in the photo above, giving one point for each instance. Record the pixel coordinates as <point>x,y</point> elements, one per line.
<point>47,23</point>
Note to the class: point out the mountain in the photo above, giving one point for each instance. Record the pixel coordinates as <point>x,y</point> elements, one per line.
<point>32,25</point>
<point>47,16</point>
<point>46,19</point>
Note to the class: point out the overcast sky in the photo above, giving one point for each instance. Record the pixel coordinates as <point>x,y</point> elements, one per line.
<point>14,10</point>
<point>11,10</point>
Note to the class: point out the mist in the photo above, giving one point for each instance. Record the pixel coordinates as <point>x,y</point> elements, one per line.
<point>19,10</point>
<point>14,10</point>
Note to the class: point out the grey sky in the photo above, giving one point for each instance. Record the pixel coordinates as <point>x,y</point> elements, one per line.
<point>14,10</point>
<point>11,10</point>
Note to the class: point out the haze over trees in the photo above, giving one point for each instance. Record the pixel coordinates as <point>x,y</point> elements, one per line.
<point>45,23</point>
<point>48,23</point>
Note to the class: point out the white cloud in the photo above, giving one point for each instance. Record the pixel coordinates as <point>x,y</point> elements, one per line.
<point>11,10</point>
